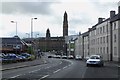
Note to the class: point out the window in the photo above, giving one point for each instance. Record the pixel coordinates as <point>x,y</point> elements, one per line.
<point>100,30</point>
<point>103,29</point>
<point>103,50</point>
<point>114,25</point>
<point>98,40</point>
<point>103,39</point>
<point>107,50</point>
<point>115,51</point>
<point>107,28</point>
<point>115,37</point>
<point>107,39</point>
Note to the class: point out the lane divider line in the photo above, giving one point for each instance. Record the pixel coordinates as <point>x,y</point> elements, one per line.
<point>44,76</point>
<point>15,76</point>
<point>56,70</point>
<point>65,67</point>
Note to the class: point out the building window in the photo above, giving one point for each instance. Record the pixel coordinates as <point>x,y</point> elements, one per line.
<point>103,29</point>
<point>103,50</point>
<point>107,39</point>
<point>107,50</point>
<point>106,28</point>
<point>115,37</point>
<point>98,40</point>
<point>103,39</point>
<point>114,25</point>
<point>115,51</point>
<point>100,30</point>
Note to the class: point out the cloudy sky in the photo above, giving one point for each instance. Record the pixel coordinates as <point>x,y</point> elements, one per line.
<point>82,14</point>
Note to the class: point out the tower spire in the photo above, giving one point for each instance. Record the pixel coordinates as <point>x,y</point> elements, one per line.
<point>65,25</point>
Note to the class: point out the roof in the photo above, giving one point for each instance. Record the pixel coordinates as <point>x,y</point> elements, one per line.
<point>12,40</point>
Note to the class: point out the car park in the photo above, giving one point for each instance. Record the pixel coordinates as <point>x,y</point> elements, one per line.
<point>95,60</point>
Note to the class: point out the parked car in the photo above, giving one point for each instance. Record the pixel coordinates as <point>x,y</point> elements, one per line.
<point>78,57</point>
<point>11,57</point>
<point>22,58</point>
<point>64,57</point>
<point>58,56</point>
<point>70,57</point>
<point>26,55</point>
<point>95,60</point>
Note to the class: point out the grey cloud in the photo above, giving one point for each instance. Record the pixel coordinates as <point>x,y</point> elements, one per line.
<point>26,7</point>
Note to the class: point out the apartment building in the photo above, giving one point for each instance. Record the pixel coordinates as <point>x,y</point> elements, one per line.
<point>103,38</point>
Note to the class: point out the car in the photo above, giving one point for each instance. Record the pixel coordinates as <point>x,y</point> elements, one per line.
<point>22,58</point>
<point>70,57</point>
<point>50,56</point>
<point>95,60</point>
<point>58,56</point>
<point>26,55</point>
<point>11,57</point>
<point>78,57</point>
<point>64,57</point>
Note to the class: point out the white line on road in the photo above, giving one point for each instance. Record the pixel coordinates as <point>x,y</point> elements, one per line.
<point>15,76</point>
<point>44,77</point>
<point>47,67</point>
<point>56,70</point>
<point>65,67</point>
<point>33,71</point>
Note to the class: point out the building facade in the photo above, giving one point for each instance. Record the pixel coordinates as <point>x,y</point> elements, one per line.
<point>102,38</point>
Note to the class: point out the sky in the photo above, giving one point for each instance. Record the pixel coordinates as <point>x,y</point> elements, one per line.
<point>82,14</point>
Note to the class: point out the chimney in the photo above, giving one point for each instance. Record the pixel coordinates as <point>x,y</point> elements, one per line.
<point>112,14</point>
<point>119,7</point>
<point>100,20</point>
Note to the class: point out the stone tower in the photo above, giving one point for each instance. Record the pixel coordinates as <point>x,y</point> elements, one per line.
<point>48,33</point>
<point>65,25</point>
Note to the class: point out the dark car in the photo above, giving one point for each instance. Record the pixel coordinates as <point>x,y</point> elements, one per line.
<point>26,55</point>
<point>95,60</point>
<point>11,58</point>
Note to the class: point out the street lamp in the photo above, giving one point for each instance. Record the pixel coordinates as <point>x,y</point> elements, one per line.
<point>16,25</point>
<point>28,34</point>
<point>32,27</point>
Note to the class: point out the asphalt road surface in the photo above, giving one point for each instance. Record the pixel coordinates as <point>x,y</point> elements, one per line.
<point>62,69</point>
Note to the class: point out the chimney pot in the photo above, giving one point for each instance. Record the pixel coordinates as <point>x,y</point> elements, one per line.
<point>112,14</point>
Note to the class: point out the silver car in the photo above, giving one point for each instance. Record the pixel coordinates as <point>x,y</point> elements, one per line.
<point>95,60</point>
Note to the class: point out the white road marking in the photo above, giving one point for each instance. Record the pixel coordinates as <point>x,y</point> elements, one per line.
<point>33,71</point>
<point>47,67</point>
<point>15,76</point>
<point>56,70</point>
<point>65,67</point>
<point>45,76</point>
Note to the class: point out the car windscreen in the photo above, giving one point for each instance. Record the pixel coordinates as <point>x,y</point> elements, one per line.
<point>94,57</point>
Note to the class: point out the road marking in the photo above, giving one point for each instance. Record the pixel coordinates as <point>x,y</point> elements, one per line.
<point>65,67</point>
<point>56,70</point>
<point>15,76</point>
<point>60,62</point>
<point>47,67</point>
<point>44,76</point>
<point>33,71</point>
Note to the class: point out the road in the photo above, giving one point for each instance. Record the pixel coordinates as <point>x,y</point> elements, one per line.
<point>62,69</point>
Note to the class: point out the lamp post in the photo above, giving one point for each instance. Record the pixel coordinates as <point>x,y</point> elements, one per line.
<point>16,34</point>
<point>16,25</point>
<point>32,27</point>
<point>28,35</point>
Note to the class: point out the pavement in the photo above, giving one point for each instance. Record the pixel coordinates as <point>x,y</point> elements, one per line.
<point>23,64</point>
